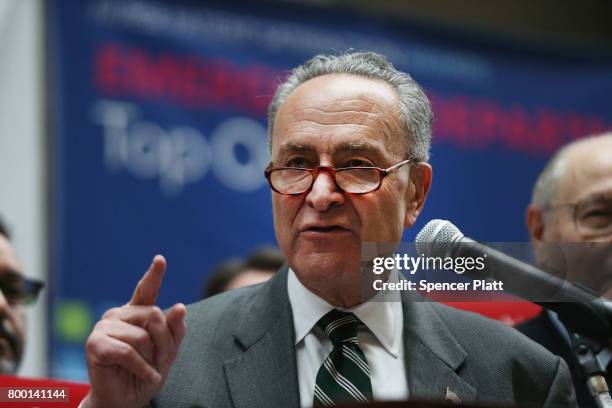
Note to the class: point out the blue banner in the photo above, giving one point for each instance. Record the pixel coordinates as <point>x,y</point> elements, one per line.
<point>159,139</point>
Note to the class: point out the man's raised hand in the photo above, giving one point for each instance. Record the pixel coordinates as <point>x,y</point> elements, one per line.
<point>131,349</point>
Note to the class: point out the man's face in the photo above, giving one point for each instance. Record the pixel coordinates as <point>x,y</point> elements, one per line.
<point>586,182</point>
<point>342,121</point>
<point>581,213</point>
<point>12,315</point>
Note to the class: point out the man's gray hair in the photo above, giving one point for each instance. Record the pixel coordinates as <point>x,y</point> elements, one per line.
<point>414,106</point>
<point>546,186</point>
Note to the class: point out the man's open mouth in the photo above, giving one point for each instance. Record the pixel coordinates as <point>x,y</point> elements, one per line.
<point>331,228</point>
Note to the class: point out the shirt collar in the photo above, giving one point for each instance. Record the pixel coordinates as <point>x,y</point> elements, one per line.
<point>383,318</point>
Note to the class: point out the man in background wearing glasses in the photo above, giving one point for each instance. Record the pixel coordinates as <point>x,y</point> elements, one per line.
<point>16,291</point>
<point>571,205</point>
<point>349,141</point>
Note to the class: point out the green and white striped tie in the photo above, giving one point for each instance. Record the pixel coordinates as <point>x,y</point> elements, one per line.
<point>344,376</point>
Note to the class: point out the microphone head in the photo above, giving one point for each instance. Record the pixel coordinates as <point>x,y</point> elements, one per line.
<point>436,236</point>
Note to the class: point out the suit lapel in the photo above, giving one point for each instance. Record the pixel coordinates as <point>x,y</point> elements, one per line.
<point>433,356</point>
<point>265,374</point>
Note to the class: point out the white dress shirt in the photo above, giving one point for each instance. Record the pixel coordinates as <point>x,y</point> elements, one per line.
<point>381,341</point>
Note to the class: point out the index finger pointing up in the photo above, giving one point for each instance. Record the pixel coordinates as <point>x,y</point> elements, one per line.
<point>147,288</point>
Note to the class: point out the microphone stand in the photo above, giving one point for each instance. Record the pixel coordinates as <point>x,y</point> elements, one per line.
<point>586,316</point>
<point>589,324</point>
<point>591,369</point>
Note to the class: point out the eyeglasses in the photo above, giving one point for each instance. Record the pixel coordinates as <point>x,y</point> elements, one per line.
<point>592,217</point>
<point>18,289</point>
<point>352,180</point>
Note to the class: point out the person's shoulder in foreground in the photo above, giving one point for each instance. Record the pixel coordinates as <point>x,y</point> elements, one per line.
<point>238,353</point>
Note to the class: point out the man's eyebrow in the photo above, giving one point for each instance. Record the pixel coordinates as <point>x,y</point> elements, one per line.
<point>9,274</point>
<point>292,147</point>
<point>359,146</point>
<point>597,198</point>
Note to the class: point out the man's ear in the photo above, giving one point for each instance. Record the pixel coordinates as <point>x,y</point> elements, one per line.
<point>536,225</point>
<point>534,218</point>
<point>417,191</point>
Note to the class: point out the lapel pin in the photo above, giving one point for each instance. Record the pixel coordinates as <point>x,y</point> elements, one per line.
<point>452,397</point>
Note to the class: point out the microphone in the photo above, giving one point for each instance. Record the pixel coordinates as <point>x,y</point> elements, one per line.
<point>580,309</point>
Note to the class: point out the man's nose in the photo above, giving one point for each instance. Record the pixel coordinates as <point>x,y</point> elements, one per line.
<point>324,193</point>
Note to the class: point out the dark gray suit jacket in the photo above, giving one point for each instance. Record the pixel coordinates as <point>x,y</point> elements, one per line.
<point>239,352</point>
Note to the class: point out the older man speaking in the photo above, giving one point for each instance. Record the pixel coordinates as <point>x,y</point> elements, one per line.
<point>349,139</point>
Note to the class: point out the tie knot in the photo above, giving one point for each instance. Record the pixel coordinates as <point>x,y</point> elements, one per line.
<point>340,327</point>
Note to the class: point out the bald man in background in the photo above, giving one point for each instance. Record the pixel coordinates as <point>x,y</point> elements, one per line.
<point>259,266</point>
<point>572,203</point>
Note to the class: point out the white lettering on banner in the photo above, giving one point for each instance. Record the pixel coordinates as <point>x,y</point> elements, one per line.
<point>229,170</point>
<point>190,150</point>
<point>144,145</point>
<point>114,116</point>
<point>181,155</point>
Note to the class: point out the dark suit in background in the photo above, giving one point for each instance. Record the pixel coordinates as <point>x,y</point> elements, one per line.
<point>542,330</point>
